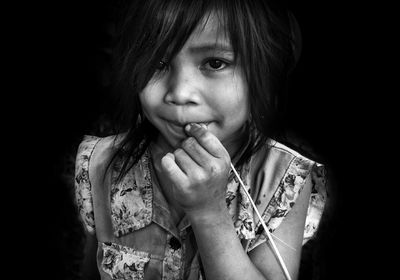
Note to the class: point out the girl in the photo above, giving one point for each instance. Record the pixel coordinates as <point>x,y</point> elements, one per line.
<point>201,82</point>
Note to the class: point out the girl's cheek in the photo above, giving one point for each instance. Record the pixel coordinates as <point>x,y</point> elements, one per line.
<point>150,95</point>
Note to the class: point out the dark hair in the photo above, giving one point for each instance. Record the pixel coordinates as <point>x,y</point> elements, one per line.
<point>151,30</point>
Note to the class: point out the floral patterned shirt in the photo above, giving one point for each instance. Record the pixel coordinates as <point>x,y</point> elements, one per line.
<point>137,238</point>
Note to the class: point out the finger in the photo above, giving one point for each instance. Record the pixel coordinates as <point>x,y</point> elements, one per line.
<point>185,162</point>
<point>173,171</point>
<point>192,147</point>
<point>206,139</point>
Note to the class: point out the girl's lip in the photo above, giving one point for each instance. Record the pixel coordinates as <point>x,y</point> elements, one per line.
<point>186,123</point>
<point>178,129</point>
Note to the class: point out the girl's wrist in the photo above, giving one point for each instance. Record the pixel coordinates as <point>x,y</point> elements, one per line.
<point>209,217</point>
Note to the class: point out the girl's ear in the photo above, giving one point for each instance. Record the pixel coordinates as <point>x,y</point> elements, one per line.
<point>296,39</point>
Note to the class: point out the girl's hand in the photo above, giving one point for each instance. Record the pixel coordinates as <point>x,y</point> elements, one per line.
<point>199,172</point>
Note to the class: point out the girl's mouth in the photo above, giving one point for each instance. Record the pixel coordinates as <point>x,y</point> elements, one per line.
<point>203,124</point>
<point>182,125</point>
<point>178,129</point>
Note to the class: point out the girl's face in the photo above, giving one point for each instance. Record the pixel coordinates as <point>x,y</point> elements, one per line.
<point>202,84</point>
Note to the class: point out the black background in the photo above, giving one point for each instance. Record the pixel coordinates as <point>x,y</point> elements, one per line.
<point>55,92</point>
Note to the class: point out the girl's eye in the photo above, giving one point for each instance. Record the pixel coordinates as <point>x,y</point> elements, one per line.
<point>162,65</point>
<point>215,64</point>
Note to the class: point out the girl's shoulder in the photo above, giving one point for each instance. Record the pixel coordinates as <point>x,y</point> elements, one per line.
<point>97,150</point>
<point>91,160</point>
<point>99,144</point>
<point>285,163</point>
<point>294,151</point>
<point>303,163</point>
<point>277,174</point>
<point>275,155</point>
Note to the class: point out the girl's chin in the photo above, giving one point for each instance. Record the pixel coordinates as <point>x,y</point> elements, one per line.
<point>170,144</point>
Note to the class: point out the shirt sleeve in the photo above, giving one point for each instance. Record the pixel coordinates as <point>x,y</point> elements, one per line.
<point>83,188</point>
<point>284,198</point>
<point>317,203</point>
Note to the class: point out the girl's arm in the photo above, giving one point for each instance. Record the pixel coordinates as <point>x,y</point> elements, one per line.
<point>223,256</point>
<point>291,231</point>
<point>89,263</point>
<point>199,173</point>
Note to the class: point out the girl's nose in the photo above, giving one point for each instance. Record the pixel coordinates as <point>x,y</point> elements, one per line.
<point>182,88</point>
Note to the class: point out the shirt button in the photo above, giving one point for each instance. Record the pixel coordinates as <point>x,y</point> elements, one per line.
<point>174,243</point>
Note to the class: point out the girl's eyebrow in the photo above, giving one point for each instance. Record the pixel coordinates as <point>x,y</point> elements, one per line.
<point>215,47</point>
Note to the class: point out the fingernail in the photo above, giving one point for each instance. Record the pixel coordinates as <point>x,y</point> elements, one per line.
<point>203,125</point>
<point>192,126</point>
<point>195,126</point>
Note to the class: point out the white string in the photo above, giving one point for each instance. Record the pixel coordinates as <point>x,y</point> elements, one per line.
<point>275,249</point>
<point>283,242</point>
